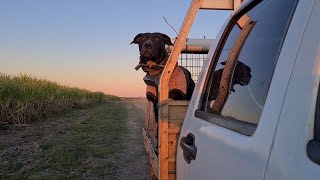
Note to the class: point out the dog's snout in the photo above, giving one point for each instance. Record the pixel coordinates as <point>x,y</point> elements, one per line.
<point>148,45</point>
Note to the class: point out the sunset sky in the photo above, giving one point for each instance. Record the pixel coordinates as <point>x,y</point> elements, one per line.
<point>86,43</point>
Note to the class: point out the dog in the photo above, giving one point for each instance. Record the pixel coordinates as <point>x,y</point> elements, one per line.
<point>153,57</point>
<point>241,76</point>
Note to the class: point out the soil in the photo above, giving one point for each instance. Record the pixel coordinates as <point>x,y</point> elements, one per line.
<point>25,150</point>
<point>134,158</point>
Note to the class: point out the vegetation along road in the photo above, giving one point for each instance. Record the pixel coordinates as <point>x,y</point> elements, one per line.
<point>102,141</point>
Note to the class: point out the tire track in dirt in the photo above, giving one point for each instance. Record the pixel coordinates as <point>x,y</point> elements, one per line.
<point>133,159</point>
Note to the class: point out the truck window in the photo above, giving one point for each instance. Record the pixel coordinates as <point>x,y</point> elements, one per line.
<point>238,85</point>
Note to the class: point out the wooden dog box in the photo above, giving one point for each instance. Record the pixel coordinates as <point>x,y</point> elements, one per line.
<point>172,114</point>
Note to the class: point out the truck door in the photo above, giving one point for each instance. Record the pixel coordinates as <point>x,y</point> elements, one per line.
<point>296,149</point>
<point>229,127</point>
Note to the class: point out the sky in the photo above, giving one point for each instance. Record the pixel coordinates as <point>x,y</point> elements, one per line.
<point>86,43</point>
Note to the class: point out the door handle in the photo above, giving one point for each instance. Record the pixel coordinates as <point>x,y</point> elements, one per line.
<point>188,147</point>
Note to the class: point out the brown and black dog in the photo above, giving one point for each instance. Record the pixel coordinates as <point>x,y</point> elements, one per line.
<point>241,76</point>
<point>153,57</point>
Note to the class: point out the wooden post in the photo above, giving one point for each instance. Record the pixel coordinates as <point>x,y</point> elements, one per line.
<point>152,174</point>
<point>164,84</point>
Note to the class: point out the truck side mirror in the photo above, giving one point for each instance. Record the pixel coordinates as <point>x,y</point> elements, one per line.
<point>313,150</point>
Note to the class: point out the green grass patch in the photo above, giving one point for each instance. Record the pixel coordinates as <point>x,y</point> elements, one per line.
<point>87,149</point>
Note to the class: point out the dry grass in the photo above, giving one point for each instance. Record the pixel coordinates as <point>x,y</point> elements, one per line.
<point>24,98</point>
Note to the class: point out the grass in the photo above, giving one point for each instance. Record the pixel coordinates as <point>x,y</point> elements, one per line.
<point>85,147</point>
<point>24,98</point>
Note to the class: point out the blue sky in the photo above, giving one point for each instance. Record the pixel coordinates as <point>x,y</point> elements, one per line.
<point>86,43</point>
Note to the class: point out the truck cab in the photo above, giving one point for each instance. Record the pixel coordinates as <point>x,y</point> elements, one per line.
<point>255,111</point>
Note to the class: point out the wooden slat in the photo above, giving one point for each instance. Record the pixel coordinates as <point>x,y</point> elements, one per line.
<point>151,171</point>
<point>177,112</point>
<point>237,3</point>
<point>220,4</point>
<point>172,145</point>
<point>151,151</point>
<point>172,112</point>
<point>174,129</point>
<point>217,4</point>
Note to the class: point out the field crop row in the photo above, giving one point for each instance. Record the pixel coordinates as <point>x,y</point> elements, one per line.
<point>24,98</point>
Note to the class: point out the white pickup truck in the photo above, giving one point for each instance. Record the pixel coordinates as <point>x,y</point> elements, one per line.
<point>263,119</point>
<point>255,110</point>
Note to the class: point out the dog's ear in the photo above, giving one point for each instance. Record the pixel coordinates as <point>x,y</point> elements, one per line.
<point>166,39</point>
<point>136,39</point>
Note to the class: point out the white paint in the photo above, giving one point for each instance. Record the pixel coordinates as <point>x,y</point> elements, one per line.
<point>277,149</point>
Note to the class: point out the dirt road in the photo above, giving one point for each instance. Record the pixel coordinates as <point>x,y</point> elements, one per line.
<point>100,142</point>
<point>134,157</point>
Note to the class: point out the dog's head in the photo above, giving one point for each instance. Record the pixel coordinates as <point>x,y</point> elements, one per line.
<point>152,47</point>
<point>241,75</point>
